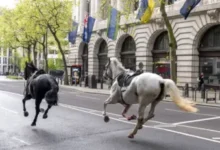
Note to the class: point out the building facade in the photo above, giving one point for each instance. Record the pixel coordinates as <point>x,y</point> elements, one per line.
<point>6,65</point>
<point>198,40</point>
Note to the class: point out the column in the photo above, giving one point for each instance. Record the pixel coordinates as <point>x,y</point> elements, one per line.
<point>98,11</point>
<point>92,8</point>
<point>83,10</point>
<point>114,3</point>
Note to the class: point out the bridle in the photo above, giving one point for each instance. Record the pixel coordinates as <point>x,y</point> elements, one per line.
<point>110,69</point>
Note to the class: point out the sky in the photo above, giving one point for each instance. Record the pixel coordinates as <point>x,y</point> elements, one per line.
<point>8,3</point>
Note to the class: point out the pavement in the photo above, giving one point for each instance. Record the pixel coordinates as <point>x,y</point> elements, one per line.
<point>77,123</point>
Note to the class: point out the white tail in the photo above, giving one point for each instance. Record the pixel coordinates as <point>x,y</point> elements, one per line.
<point>175,95</point>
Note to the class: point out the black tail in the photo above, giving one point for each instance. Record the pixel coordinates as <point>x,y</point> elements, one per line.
<point>162,91</point>
<point>52,96</point>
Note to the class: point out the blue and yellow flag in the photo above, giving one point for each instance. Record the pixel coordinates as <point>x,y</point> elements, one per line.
<point>187,7</point>
<point>113,23</point>
<point>146,10</point>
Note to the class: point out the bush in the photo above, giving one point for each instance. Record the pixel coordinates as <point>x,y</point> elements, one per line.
<point>14,77</point>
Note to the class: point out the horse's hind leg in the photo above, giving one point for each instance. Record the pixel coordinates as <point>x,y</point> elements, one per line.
<point>150,114</point>
<point>141,110</point>
<point>27,97</point>
<point>45,114</point>
<point>37,102</point>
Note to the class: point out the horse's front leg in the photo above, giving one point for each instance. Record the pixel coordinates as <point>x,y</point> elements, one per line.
<point>45,114</point>
<point>127,107</point>
<point>37,102</point>
<point>110,100</point>
<point>27,97</point>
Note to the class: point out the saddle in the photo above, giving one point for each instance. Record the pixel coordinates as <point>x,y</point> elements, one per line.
<point>125,79</point>
<point>39,72</point>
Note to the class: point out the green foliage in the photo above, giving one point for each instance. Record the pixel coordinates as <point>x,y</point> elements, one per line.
<point>56,64</point>
<point>14,77</point>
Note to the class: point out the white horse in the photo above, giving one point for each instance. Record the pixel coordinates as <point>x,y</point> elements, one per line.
<point>146,88</point>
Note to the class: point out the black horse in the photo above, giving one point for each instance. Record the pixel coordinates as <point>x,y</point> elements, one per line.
<point>39,85</point>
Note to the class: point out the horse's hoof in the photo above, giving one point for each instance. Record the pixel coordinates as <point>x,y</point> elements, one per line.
<point>41,110</point>
<point>33,124</point>
<point>45,116</point>
<point>140,127</point>
<point>133,117</point>
<point>106,119</point>
<point>131,136</point>
<point>26,113</point>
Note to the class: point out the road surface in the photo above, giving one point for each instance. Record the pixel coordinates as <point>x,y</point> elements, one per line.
<point>77,123</point>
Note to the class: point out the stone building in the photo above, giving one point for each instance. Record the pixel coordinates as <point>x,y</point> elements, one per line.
<point>198,40</point>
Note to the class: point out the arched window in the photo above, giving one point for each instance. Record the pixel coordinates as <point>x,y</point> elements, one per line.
<point>85,61</point>
<point>128,58</point>
<point>102,57</point>
<point>209,53</point>
<point>161,55</point>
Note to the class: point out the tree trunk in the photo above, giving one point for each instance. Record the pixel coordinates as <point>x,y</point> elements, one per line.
<point>172,41</point>
<point>66,80</point>
<point>29,53</point>
<point>45,54</point>
<point>34,53</point>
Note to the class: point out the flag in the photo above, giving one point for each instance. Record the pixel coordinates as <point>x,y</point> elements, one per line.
<point>113,23</point>
<point>146,10</point>
<point>73,33</point>
<point>88,27</point>
<point>187,7</point>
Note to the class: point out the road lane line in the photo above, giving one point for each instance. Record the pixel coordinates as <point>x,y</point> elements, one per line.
<point>210,115</point>
<point>216,138</point>
<point>8,110</point>
<point>131,122</point>
<point>198,128</point>
<point>22,141</point>
<point>197,120</point>
<point>88,97</point>
<point>152,127</point>
<point>153,121</point>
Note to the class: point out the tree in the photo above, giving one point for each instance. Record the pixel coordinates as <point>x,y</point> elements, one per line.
<point>55,15</point>
<point>172,40</point>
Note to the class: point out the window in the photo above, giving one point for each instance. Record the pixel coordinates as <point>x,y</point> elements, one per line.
<point>161,55</point>
<point>4,60</point>
<point>102,56</point>
<point>128,57</point>
<point>209,52</point>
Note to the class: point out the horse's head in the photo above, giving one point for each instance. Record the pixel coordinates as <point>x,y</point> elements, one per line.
<point>29,70</point>
<point>113,69</point>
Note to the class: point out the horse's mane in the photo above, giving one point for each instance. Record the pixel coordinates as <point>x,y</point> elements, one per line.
<point>117,63</point>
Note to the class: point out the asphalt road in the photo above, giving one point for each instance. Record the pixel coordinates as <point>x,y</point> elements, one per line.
<point>77,123</point>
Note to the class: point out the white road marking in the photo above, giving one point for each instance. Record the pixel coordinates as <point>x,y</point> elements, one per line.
<point>216,138</point>
<point>124,121</point>
<point>210,115</point>
<point>165,126</point>
<point>22,141</point>
<point>8,110</point>
<point>198,128</point>
<point>87,97</point>
<point>168,130</point>
<point>197,120</point>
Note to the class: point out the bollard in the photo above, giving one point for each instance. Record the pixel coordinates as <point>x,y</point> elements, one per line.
<point>186,90</point>
<point>101,83</point>
<point>203,92</point>
<point>195,93</point>
<point>80,83</point>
